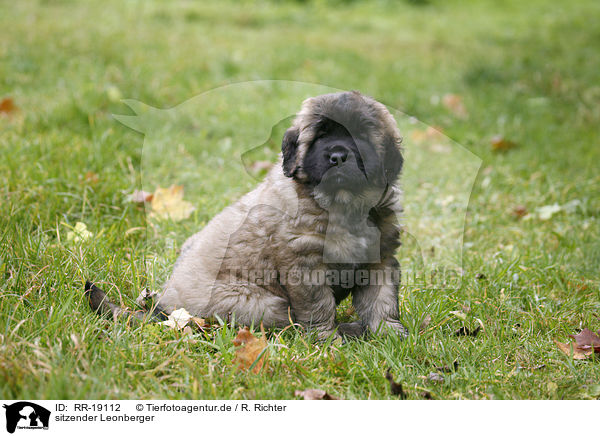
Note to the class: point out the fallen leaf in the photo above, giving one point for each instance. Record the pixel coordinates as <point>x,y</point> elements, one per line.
<point>91,177</point>
<point>499,143</point>
<point>395,388</point>
<point>546,212</point>
<point>199,323</point>
<point>178,319</point>
<point>459,314</point>
<point>7,106</point>
<point>574,350</point>
<point>571,206</point>
<point>79,233</point>
<point>169,203</point>
<point>587,338</point>
<point>519,211</point>
<point>314,394</point>
<point>464,331</point>
<point>140,196</point>
<point>454,103</point>
<point>252,350</point>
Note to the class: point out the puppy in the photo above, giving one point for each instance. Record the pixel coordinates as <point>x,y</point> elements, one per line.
<point>322,225</point>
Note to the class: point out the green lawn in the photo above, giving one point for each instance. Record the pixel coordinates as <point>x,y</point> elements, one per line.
<point>527,71</point>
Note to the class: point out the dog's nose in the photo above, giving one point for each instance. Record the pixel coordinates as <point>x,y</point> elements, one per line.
<point>338,156</point>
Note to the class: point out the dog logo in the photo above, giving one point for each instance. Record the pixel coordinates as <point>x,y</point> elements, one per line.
<point>26,415</point>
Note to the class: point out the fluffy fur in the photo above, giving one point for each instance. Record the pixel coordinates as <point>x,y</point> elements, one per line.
<point>247,260</point>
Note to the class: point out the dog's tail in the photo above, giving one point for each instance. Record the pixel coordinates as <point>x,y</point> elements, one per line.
<point>100,304</point>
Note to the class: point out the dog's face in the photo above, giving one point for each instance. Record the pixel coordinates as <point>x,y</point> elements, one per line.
<point>342,142</point>
<point>334,160</point>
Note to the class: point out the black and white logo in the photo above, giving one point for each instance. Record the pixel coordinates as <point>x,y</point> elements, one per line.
<point>26,415</point>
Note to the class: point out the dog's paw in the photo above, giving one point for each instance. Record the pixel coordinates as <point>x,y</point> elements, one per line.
<point>352,329</point>
<point>323,336</point>
<point>394,327</point>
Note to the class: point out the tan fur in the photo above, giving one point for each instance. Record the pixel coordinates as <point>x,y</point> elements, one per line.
<point>281,226</point>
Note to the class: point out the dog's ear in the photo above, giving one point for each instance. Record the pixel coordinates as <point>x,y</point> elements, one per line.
<point>393,161</point>
<point>289,147</point>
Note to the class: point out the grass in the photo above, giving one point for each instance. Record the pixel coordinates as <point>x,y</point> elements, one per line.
<point>525,71</point>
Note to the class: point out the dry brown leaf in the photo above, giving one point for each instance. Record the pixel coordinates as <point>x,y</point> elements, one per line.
<point>141,196</point>
<point>7,106</point>
<point>199,323</point>
<point>169,203</point>
<point>574,350</point>
<point>587,338</point>
<point>314,394</point>
<point>454,103</point>
<point>499,143</point>
<point>519,211</point>
<point>251,351</point>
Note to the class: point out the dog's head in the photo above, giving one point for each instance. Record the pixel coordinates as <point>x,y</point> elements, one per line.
<point>343,142</point>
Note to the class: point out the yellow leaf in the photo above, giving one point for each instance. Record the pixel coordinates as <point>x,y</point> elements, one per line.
<point>168,203</point>
<point>80,233</point>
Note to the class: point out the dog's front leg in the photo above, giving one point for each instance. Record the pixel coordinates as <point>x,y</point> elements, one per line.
<point>312,304</point>
<point>377,302</point>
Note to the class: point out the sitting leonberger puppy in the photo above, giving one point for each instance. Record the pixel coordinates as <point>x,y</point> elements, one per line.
<point>322,225</point>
